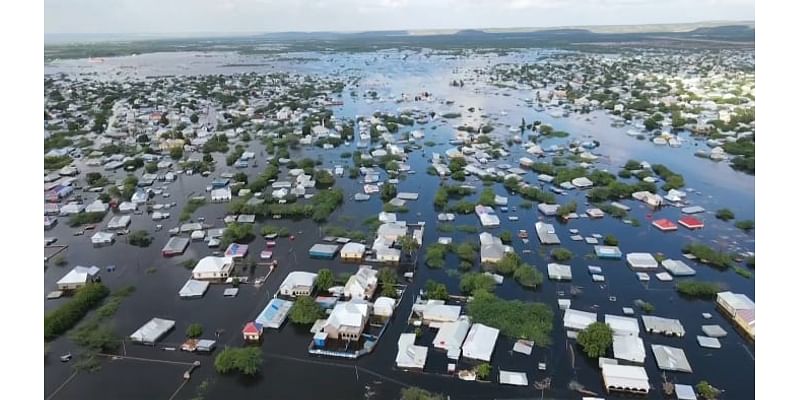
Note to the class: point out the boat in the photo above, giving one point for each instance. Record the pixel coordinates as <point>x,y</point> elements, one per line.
<point>266,255</point>
<point>66,357</point>
<point>523,234</point>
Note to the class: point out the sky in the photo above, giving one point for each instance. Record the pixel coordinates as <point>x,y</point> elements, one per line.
<point>196,16</point>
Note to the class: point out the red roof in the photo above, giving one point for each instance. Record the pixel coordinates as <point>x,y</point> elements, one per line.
<point>665,224</point>
<point>691,222</point>
<point>252,328</point>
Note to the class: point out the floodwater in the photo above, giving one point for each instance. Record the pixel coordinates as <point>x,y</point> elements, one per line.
<point>288,371</point>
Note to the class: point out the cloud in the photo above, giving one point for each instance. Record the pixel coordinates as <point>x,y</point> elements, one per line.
<point>175,16</point>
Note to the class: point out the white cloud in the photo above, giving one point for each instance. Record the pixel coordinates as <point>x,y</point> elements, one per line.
<point>173,16</point>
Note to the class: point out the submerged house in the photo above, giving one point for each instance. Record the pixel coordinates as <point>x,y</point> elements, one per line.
<point>298,283</point>
<point>409,355</point>
<point>625,378</point>
<point>213,268</point>
<point>347,321</point>
<point>480,342</point>
<point>152,331</point>
<point>362,284</point>
<point>78,277</point>
<point>741,309</point>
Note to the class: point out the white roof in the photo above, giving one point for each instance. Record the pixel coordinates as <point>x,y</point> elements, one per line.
<point>671,358</point>
<point>193,288</point>
<point>480,341</point>
<point>102,237</point>
<point>298,278</point>
<point>577,319</point>
<point>582,182</point>
<point>708,342</point>
<point>78,274</point>
<point>559,271</point>
<point>441,312</point>
<point>685,392</point>
<point>663,325</point>
<point>353,247</point>
<point>641,260</point>
<point>513,378</point>
<point>623,325</point>
<point>410,355</point>
<point>383,306</point>
<point>152,330</point>
<point>452,334</point>
<point>348,314</point>
<point>624,377</point>
<point>736,301</point>
<point>212,264</point>
<point>677,267</point>
<point>629,348</point>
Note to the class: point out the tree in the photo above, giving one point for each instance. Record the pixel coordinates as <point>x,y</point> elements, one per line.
<point>194,331</point>
<point>487,197</point>
<point>699,289</point>
<point>436,290</point>
<point>176,152</point>
<point>408,244</point>
<point>528,276</point>
<point>561,254</point>
<point>140,238</point>
<point>506,237</point>
<point>305,311</point>
<point>323,179</point>
<point>596,339</point>
<point>483,370</point>
<point>707,391</point>
<point>324,279</point>
<point>725,214</point>
<point>472,282</point>
<point>194,118</point>
<point>246,360</point>
<point>610,240</point>
<point>237,233</point>
<point>388,192</point>
<point>746,225</point>
<point>151,168</point>
<point>415,393</point>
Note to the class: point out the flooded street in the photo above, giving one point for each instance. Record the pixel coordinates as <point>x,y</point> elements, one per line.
<point>288,371</point>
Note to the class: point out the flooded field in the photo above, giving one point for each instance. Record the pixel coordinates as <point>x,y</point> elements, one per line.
<point>288,371</point>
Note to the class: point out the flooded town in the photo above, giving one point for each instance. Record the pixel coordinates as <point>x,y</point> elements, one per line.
<point>388,222</point>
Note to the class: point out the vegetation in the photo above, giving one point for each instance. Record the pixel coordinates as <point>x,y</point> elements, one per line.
<point>746,225</point>
<point>647,307</point>
<point>435,254</point>
<point>324,279</point>
<point>245,360</point>
<point>415,393</point>
<point>388,192</point>
<point>566,209</point>
<point>237,233</point>
<point>709,256</point>
<point>280,231</point>
<point>323,179</point>
<point>387,277</point>
<point>596,339</point>
<point>698,289</point>
<point>743,272</point>
<point>672,180</point>
<point>140,238</point>
<point>191,206</point>
<point>436,290</point>
<point>506,237</point>
<point>483,370</point>
<point>706,391</point>
<point>466,251</point>
<point>86,218</point>
<point>194,331</point>
<point>561,254</point>
<point>532,321</point>
<point>487,197</point>
<point>725,214</point>
<point>305,311</point>
<point>473,282</point>
<point>67,315</point>
<point>56,162</point>
<point>610,240</point>
<point>528,276</point>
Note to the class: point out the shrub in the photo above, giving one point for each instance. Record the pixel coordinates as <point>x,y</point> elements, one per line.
<point>305,311</point>
<point>725,214</point>
<point>246,360</point>
<point>699,289</point>
<point>474,281</point>
<point>194,331</point>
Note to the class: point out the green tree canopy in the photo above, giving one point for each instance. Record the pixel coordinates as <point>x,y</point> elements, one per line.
<point>596,339</point>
